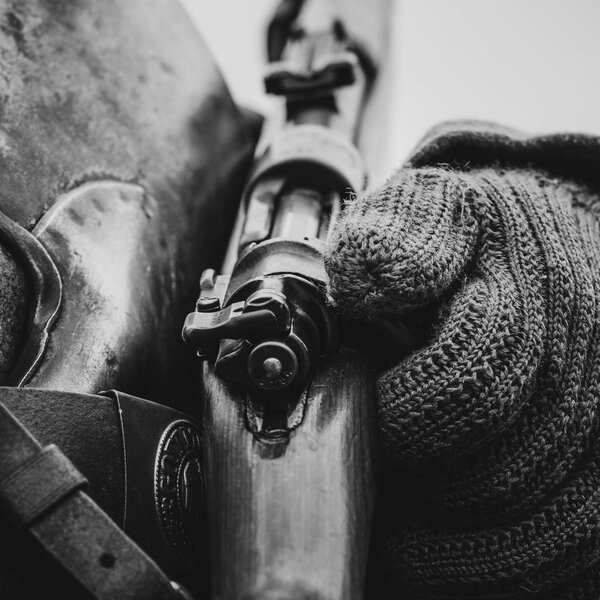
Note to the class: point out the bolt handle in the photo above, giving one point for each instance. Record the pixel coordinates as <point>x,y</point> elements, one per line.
<point>264,313</point>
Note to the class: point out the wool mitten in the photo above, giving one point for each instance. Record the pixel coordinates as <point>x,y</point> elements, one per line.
<point>490,429</point>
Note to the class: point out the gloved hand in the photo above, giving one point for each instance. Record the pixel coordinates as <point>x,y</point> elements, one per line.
<point>491,429</point>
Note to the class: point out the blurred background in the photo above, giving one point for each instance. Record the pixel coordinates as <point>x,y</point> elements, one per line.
<point>530,64</point>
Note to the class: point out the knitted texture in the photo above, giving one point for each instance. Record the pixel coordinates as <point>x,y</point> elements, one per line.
<point>490,430</point>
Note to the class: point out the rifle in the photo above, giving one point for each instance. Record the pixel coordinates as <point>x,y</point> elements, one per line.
<point>288,434</point>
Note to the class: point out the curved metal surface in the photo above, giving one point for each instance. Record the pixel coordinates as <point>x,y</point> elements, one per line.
<point>120,91</point>
<point>119,271</point>
<point>46,290</point>
<point>124,89</point>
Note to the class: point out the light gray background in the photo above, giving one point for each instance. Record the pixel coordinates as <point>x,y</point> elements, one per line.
<point>531,64</point>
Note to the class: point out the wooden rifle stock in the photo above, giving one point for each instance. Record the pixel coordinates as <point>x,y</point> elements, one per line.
<point>287,414</point>
<point>296,527</point>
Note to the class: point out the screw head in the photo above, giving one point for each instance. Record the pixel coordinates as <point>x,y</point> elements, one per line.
<point>272,367</point>
<point>208,304</point>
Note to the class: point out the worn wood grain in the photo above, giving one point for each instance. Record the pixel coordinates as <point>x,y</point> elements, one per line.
<point>297,526</point>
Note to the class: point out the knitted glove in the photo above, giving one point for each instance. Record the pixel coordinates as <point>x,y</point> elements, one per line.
<point>490,430</point>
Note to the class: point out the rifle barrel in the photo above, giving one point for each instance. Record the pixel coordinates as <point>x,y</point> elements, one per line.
<point>289,435</point>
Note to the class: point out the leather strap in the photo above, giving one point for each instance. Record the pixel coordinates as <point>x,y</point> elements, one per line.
<point>39,483</point>
<point>42,490</point>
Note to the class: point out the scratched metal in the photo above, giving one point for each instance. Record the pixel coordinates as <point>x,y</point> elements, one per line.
<point>119,89</point>
<point>96,93</point>
<point>106,241</point>
<point>119,321</point>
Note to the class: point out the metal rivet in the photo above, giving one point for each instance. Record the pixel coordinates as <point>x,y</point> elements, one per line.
<point>272,367</point>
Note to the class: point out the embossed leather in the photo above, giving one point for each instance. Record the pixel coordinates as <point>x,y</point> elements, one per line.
<point>72,528</point>
<point>142,461</point>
